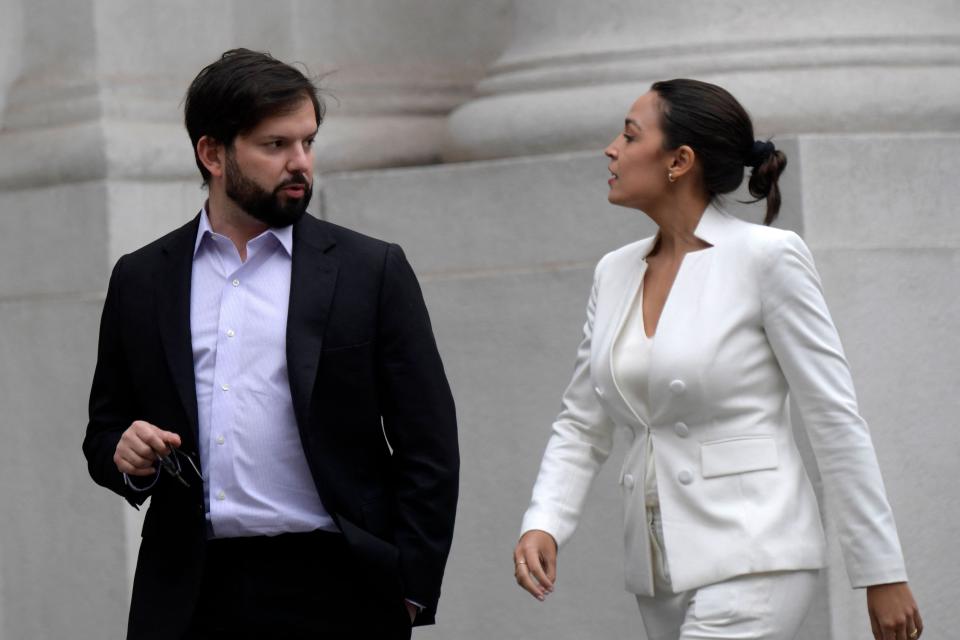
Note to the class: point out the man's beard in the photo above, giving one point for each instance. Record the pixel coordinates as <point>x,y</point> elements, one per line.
<point>266,206</point>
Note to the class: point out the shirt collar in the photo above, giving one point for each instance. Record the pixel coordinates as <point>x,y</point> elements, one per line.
<point>284,235</point>
<point>202,231</point>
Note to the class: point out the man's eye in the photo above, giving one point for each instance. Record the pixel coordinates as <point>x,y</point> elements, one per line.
<point>309,143</point>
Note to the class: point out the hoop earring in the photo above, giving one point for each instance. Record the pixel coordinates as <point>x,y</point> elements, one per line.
<point>670,176</point>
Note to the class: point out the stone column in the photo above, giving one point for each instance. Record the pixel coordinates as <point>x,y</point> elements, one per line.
<point>57,534</point>
<point>10,42</point>
<point>93,162</point>
<point>11,36</point>
<point>572,69</point>
<point>393,71</point>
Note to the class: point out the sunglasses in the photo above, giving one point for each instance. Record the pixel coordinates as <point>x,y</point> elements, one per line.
<point>171,464</point>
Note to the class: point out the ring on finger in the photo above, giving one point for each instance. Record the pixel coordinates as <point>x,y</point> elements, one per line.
<point>914,634</point>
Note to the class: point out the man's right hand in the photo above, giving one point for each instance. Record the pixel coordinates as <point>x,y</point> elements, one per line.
<point>139,447</point>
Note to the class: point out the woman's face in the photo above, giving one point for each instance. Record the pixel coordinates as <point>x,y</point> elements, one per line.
<point>638,161</point>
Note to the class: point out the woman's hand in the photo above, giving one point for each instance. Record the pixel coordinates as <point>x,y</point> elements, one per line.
<point>535,563</point>
<point>893,612</point>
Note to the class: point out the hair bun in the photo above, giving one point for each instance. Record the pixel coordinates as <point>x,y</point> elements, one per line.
<point>759,153</point>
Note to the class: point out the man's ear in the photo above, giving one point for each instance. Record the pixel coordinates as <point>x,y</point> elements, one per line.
<point>683,160</point>
<point>212,154</point>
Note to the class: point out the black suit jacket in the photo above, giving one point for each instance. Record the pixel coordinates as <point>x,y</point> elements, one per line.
<point>362,364</point>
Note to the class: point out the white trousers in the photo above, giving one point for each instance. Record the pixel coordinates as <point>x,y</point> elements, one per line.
<point>758,606</point>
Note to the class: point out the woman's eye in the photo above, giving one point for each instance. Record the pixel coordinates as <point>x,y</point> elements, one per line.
<point>628,137</point>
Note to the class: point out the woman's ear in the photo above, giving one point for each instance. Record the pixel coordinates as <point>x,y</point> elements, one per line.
<point>683,161</point>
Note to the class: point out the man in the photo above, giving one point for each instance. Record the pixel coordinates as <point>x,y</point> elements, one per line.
<point>283,372</point>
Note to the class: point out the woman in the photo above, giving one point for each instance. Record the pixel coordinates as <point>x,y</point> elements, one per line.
<point>693,339</point>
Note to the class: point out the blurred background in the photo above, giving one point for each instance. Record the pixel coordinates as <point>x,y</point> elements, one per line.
<point>471,133</point>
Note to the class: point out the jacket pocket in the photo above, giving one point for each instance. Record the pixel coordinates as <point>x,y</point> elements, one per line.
<point>379,557</point>
<point>738,455</point>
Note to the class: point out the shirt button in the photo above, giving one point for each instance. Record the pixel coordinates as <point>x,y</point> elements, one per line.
<point>681,430</point>
<point>221,495</point>
<point>685,477</point>
<point>628,481</point>
<point>220,440</point>
<point>236,282</point>
<point>225,387</point>
<point>678,386</point>
<point>231,333</point>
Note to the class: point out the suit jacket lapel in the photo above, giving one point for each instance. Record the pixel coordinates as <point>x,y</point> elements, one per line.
<point>173,305</point>
<point>312,282</point>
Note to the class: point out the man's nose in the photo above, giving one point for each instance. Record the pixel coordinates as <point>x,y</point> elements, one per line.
<point>300,160</point>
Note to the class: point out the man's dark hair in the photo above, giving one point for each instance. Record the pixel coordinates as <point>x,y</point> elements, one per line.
<point>234,94</point>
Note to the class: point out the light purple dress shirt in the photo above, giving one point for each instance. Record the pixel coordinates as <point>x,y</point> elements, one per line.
<point>255,475</point>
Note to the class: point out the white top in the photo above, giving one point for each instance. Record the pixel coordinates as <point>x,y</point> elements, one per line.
<point>631,368</point>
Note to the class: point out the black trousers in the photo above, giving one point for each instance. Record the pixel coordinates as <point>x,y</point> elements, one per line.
<point>292,586</point>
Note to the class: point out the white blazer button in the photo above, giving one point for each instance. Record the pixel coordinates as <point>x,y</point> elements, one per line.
<point>681,430</point>
<point>598,392</point>
<point>678,386</point>
<point>628,481</point>
<point>685,477</point>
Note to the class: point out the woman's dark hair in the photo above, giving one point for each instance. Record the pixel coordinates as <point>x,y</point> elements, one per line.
<point>711,122</point>
<point>234,94</point>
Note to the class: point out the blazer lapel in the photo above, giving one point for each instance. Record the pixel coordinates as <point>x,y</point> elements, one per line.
<point>632,288</point>
<point>620,288</point>
<point>619,283</point>
<point>312,282</point>
<point>173,305</point>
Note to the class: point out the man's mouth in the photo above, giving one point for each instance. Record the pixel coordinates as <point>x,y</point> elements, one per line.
<point>295,189</point>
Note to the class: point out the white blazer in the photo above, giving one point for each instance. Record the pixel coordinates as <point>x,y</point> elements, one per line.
<point>745,322</point>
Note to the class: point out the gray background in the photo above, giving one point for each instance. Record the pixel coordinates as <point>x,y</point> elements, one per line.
<point>470,133</point>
